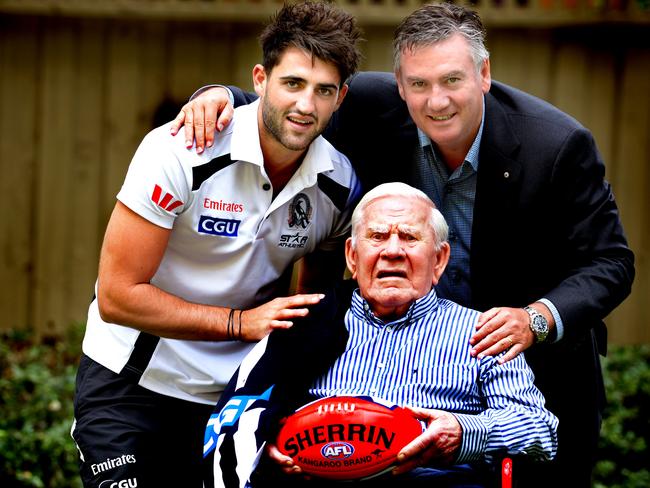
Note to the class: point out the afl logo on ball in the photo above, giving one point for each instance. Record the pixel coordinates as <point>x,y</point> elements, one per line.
<point>337,450</point>
<point>300,212</point>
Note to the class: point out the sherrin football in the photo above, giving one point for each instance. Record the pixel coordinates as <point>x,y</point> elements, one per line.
<point>346,437</point>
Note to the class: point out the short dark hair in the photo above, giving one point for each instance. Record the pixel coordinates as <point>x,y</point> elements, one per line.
<point>317,27</point>
<point>433,23</point>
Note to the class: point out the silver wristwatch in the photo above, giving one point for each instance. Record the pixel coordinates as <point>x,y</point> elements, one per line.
<point>538,324</point>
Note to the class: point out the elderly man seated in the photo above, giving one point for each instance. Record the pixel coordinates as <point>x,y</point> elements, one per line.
<point>401,343</point>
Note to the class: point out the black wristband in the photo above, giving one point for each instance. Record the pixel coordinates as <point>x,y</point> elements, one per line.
<point>239,333</point>
<point>230,328</point>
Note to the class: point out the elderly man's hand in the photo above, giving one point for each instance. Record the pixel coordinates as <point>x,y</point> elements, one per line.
<point>502,329</point>
<point>440,441</point>
<point>284,462</point>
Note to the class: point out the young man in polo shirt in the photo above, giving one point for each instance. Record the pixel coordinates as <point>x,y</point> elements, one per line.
<point>197,252</point>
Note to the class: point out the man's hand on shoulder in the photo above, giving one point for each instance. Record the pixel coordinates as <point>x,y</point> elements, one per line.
<point>257,323</point>
<point>210,110</point>
<point>504,329</point>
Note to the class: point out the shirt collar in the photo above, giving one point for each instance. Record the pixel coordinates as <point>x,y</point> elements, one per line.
<point>472,154</point>
<point>245,145</point>
<point>421,307</point>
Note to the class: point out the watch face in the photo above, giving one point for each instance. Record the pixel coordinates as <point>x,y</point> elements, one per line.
<point>540,326</point>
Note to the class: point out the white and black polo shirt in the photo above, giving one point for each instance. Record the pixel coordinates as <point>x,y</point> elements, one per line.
<point>230,242</point>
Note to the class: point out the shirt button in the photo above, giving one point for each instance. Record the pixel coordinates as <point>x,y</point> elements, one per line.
<point>380,365</point>
<point>266,187</point>
<point>506,174</point>
<point>373,390</point>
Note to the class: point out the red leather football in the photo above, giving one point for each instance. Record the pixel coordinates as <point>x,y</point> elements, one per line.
<point>346,437</point>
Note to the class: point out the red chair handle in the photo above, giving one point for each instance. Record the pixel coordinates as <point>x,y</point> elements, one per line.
<point>506,473</point>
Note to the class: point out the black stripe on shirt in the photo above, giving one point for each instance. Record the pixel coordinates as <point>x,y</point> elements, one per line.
<point>336,192</point>
<point>205,171</point>
<point>143,350</point>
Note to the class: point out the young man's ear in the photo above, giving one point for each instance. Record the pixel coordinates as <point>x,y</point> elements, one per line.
<point>259,79</point>
<point>351,258</point>
<point>342,92</point>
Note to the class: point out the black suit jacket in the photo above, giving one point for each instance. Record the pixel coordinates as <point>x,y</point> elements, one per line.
<point>545,220</point>
<point>545,225</point>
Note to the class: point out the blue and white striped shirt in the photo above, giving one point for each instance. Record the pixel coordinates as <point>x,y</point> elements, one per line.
<point>423,360</point>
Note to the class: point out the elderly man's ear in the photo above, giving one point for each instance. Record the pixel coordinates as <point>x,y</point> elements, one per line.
<point>351,258</point>
<point>442,258</point>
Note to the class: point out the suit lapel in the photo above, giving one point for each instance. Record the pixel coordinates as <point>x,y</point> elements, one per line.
<point>498,187</point>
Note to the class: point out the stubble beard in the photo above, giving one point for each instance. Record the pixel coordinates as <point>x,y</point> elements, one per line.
<point>273,119</point>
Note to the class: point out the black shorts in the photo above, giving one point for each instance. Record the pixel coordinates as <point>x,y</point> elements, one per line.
<point>129,436</point>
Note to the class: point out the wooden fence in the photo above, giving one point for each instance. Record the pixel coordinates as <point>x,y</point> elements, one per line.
<point>82,82</point>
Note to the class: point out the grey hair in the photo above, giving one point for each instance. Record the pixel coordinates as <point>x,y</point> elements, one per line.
<point>396,189</point>
<point>433,23</point>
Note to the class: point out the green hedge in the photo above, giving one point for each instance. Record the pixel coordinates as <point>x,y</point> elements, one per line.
<point>36,390</point>
<point>625,435</point>
<point>37,385</point>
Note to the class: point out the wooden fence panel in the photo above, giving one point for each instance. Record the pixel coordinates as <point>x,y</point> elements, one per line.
<point>570,79</point>
<point>153,90</point>
<point>123,133</point>
<point>629,323</point>
<point>220,58</point>
<point>521,58</point>
<point>600,99</point>
<point>54,210</point>
<point>18,147</point>
<point>377,50</point>
<point>534,62</point>
<point>86,226</point>
<point>247,53</point>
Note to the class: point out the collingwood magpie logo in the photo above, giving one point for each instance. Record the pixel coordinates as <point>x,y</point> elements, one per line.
<point>300,212</point>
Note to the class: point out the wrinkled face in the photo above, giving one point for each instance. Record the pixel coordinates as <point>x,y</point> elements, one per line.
<point>444,92</point>
<point>298,99</point>
<point>395,260</point>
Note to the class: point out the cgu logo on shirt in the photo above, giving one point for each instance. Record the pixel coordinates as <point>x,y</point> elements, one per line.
<point>218,227</point>
<point>128,483</point>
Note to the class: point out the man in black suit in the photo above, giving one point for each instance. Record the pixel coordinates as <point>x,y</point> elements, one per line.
<point>536,239</point>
